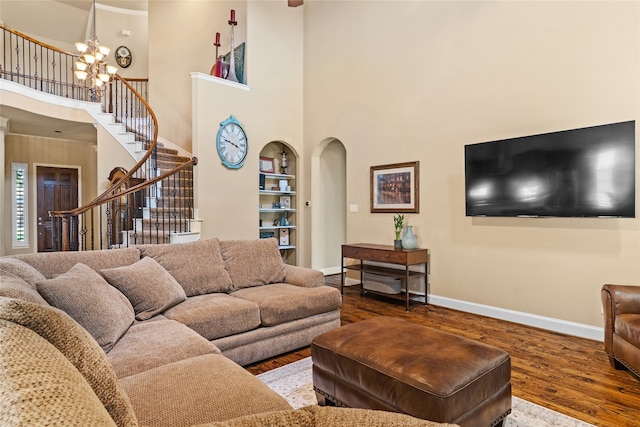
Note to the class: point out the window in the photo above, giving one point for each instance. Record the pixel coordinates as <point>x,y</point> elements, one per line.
<point>19,185</point>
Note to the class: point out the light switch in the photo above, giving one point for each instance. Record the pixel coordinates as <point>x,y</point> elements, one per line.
<point>353,208</point>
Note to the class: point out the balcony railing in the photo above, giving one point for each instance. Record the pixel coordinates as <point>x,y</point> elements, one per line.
<point>143,205</point>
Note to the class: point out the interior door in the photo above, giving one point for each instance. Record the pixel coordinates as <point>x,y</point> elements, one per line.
<point>57,190</point>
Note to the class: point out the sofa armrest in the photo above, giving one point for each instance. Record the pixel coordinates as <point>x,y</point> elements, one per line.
<point>302,276</point>
<point>617,299</point>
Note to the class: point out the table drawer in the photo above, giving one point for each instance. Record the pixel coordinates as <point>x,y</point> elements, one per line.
<point>357,253</point>
<point>389,256</point>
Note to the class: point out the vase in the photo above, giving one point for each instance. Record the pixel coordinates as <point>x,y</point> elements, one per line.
<point>397,244</point>
<point>409,240</point>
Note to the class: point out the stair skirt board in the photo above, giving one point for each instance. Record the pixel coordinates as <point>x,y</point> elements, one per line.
<point>130,239</point>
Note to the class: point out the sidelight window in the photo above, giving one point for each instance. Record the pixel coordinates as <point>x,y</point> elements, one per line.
<point>19,185</point>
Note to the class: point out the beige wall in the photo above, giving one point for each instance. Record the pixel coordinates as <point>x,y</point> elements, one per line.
<point>181,37</point>
<point>62,25</point>
<point>399,81</point>
<point>43,151</point>
<point>110,23</point>
<point>227,199</point>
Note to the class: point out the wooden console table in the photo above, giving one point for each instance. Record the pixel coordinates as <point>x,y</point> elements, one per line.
<point>386,254</point>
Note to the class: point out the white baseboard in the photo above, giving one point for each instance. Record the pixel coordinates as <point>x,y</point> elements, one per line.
<point>330,270</point>
<point>548,323</point>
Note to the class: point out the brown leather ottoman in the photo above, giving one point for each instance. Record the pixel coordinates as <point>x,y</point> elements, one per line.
<point>395,365</point>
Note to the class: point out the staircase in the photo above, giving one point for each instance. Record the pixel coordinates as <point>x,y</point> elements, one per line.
<point>151,203</point>
<point>164,213</point>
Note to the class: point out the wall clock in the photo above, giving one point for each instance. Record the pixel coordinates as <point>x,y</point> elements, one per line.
<point>123,56</point>
<point>231,143</point>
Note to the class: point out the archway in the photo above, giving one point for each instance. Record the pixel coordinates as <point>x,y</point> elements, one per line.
<point>328,205</point>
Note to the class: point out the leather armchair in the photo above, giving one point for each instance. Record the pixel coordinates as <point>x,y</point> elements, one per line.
<point>621,306</point>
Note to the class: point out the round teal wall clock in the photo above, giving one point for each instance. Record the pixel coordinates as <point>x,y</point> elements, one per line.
<point>231,143</point>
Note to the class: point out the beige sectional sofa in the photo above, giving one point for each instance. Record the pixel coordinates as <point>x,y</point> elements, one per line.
<point>155,335</point>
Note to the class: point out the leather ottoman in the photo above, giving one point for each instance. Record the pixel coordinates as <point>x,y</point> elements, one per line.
<point>395,365</point>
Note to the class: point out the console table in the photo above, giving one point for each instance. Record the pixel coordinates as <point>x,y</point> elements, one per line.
<point>386,254</point>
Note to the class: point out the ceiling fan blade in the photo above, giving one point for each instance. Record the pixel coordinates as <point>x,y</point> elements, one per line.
<point>295,3</point>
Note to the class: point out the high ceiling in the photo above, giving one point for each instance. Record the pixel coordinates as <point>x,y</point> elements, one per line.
<point>27,123</point>
<point>122,4</point>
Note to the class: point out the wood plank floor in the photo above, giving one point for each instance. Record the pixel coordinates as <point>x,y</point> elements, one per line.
<point>567,374</point>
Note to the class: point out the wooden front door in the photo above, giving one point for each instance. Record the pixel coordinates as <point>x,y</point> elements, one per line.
<point>57,191</point>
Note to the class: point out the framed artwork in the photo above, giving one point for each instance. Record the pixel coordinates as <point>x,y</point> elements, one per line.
<point>266,165</point>
<point>284,237</point>
<point>395,188</point>
<point>285,202</point>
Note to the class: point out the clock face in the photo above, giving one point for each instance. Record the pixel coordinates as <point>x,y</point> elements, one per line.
<point>232,143</point>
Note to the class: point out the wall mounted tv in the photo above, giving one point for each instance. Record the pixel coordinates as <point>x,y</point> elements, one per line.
<point>587,172</point>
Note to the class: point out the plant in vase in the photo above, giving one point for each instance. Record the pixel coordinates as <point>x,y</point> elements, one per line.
<point>398,223</point>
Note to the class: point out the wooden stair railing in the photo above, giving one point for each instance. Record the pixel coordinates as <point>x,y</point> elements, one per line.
<point>167,191</point>
<point>113,205</point>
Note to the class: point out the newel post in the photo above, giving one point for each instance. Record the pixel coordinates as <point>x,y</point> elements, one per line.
<point>65,233</point>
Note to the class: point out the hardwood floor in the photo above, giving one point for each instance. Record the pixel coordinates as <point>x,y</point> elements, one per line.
<point>567,374</point>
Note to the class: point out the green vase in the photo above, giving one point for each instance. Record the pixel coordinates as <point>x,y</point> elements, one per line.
<point>409,240</point>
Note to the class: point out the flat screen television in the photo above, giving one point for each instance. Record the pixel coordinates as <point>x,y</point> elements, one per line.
<point>587,172</point>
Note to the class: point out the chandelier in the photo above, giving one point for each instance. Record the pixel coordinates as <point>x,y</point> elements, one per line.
<point>92,62</point>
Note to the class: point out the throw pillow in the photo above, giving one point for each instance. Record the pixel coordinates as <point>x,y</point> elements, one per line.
<point>149,287</point>
<point>252,262</point>
<point>39,385</point>
<point>14,287</point>
<point>21,269</point>
<point>98,307</point>
<point>75,343</point>
<point>197,266</point>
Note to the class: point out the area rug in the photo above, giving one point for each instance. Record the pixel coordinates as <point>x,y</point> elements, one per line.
<point>294,383</point>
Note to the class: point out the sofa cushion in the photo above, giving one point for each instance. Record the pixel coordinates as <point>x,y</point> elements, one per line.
<point>198,390</point>
<point>52,264</point>
<point>21,269</point>
<point>197,266</point>
<point>148,286</point>
<point>40,386</point>
<point>14,287</point>
<point>75,343</point>
<point>281,302</point>
<point>150,344</point>
<point>216,315</point>
<point>99,307</point>
<point>252,262</point>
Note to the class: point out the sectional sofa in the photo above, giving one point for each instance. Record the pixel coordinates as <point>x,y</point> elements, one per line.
<point>155,335</point>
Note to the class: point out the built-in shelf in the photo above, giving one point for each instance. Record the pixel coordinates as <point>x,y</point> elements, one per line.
<point>278,192</point>
<point>278,189</point>
<point>276,210</point>
<point>277,175</point>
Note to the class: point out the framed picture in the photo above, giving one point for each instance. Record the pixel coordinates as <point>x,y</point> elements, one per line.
<point>394,188</point>
<point>284,237</point>
<point>285,202</point>
<point>266,164</point>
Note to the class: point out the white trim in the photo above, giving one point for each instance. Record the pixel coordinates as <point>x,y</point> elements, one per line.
<point>330,270</point>
<point>122,10</point>
<point>549,323</point>
<point>542,322</point>
<point>218,80</point>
